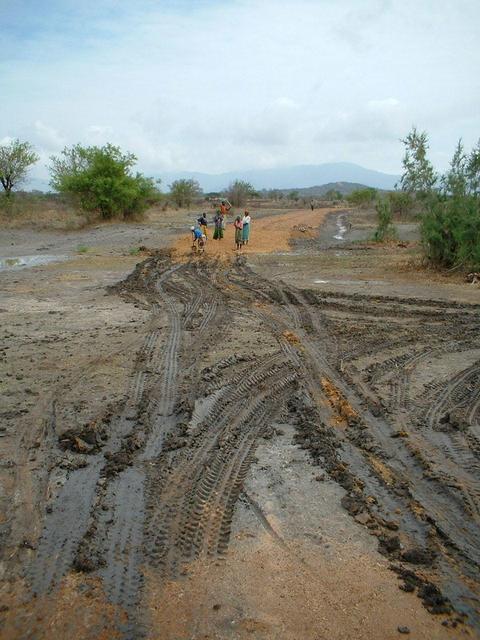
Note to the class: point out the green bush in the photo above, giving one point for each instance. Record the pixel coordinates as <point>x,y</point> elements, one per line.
<point>401,203</point>
<point>362,197</point>
<point>184,191</point>
<point>101,179</point>
<point>385,229</point>
<point>450,230</point>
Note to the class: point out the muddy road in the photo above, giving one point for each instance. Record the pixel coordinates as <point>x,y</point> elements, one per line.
<point>276,454</point>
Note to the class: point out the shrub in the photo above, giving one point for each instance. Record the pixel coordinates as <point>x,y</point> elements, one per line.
<point>450,230</point>
<point>101,179</point>
<point>385,229</point>
<point>401,202</point>
<point>362,197</point>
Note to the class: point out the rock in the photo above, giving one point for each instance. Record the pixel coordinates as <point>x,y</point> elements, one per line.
<point>404,630</point>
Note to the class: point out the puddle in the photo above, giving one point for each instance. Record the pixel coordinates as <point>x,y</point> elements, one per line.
<point>21,262</point>
<point>353,282</point>
<point>341,228</point>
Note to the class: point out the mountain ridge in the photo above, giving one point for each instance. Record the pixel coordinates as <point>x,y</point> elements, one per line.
<point>292,177</point>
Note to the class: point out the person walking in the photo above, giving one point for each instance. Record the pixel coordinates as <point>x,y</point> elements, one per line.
<point>238,224</point>
<point>218,222</point>
<point>246,227</point>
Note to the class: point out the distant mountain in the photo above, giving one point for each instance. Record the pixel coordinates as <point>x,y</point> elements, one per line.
<point>345,188</point>
<point>296,177</point>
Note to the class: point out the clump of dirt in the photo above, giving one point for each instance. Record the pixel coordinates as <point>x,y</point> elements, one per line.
<point>418,556</point>
<point>430,594</point>
<point>87,440</point>
<point>345,413</point>
<point>120,460</point>
<point>291,337</point>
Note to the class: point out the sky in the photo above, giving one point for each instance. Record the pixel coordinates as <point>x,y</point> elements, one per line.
<point>213,86</point>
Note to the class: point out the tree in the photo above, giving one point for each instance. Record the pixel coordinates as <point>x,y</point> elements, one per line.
<point>401,202</point>
<point>294,195</point>
<point>450,224</point>
<point>239,191</point>
<point>184,191</point>
<point>455,181</point>
<point>362,197</point>
<point>15,159</point>
<point>332,194</point>
<point>473,171</point>
<point>419,177</point>
<point>102,180</point>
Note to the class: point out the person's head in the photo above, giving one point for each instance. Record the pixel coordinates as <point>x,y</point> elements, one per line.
<point>246,212</point>
<point>192,228</point>
<point>238,218</point>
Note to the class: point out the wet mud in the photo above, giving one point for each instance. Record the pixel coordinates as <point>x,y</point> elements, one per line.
<point>383,393</point>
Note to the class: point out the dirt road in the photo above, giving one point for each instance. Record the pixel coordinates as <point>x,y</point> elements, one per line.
<point>234,456</point>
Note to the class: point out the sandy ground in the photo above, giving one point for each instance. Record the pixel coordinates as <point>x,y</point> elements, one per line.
<point>297,564</point>
<point>268,234</point>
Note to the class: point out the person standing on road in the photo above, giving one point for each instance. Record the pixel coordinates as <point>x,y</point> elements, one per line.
<point>238,224</point>
<point>218,222</point>
<point>224,209</point>
<point>246,227</point>
<point>203,222</point>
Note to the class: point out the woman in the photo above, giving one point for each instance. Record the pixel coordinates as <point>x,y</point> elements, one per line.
<point>218,221</point>
<point>202,221</point>
<point>246,227</point>
<point>238,224</point>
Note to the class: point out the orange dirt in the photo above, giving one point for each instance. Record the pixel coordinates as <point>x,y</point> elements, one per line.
<point>339,403</point>
<point>272,233</point>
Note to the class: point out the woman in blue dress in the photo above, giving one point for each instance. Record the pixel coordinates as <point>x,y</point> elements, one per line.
<point>246,227</point>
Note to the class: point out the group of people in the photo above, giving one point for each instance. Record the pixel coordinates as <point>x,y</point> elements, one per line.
<point>241,226</point>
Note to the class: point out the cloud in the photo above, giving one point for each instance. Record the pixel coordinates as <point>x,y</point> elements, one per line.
<point>48,137</point>
<point>215,86</point>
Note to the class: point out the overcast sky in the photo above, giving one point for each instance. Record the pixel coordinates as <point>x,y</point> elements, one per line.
<point>213,86</point>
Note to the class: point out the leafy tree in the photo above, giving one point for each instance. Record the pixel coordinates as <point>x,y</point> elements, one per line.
<point>418,177</point>
<point>239,191</point>
<point>102,180</point>
<point>332,194</point>
<point>401,202</point>
<point>455,181</point>
<point>294,195</point>
<point>184,191</point>
<point>362,197</point>
<point>450,225</point>
<point>15,159</point>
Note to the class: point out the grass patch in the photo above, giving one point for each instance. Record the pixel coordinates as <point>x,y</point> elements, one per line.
<point>81,248</point>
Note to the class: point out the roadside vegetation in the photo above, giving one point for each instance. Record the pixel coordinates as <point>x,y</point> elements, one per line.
<point>92,183</point>
<point>447,206</point>
<point>101,181</point>
<point>15,159</point>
